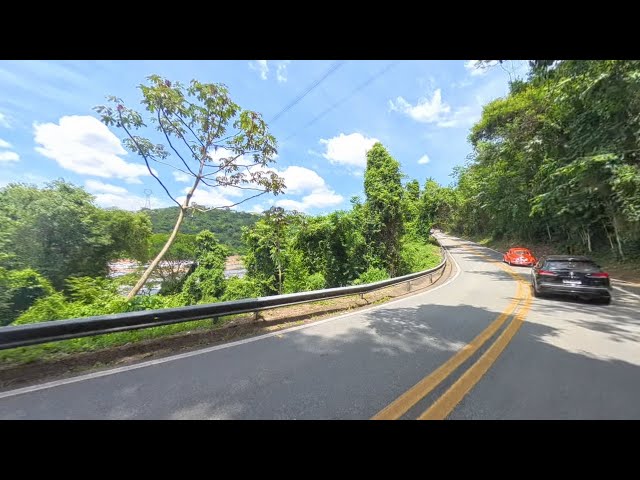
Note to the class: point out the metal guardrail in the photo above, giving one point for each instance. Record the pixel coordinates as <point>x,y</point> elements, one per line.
<point>43,332</point>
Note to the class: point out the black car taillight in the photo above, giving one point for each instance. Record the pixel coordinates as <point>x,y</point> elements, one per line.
<point>599,275</point>
<point>546,273</point>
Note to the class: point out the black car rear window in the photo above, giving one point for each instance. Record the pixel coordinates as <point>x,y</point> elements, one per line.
<point>581,266</point>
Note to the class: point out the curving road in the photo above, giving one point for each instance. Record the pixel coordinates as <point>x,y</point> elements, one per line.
<point>477,347</point>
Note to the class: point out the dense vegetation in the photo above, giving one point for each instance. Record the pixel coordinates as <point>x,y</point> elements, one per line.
<point>557,161</point>
<point>56,233</point>
<point>225,224</point>
<point>286,252</point>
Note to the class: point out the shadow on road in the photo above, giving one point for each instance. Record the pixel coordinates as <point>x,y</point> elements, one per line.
<point>352,367</point>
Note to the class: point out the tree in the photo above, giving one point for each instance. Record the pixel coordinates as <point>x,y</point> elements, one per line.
<point>267,244</point>
<point>384,192</point>
<point>59,232</point>
<point>176,262</point>
<point>206,283</point>
<point>194,122</point>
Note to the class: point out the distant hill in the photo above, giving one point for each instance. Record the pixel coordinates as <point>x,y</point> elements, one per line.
<point>226,224</point>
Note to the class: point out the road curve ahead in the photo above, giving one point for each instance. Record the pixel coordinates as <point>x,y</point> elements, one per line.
<point>477,347</point>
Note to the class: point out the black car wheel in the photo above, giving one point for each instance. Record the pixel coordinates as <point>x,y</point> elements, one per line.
<point>604,301</point>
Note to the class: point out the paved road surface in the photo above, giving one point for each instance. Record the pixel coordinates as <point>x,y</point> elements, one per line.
<point>478,347</point>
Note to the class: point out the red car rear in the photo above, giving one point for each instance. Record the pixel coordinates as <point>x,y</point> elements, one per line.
<point>519,256</point>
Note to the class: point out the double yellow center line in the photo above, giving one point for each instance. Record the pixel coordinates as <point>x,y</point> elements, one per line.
<point>445,404</point>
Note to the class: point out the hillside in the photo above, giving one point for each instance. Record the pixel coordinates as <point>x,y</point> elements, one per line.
<point>225,224</point>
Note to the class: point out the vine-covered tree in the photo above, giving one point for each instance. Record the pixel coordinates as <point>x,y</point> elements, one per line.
<point>384,204</point>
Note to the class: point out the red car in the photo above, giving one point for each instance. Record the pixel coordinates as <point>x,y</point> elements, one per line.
<point>519,256</point>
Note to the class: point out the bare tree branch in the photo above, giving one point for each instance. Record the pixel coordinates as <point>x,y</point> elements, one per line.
<point>146,161</point>
<point>229,206</point>
<point>170,144</point>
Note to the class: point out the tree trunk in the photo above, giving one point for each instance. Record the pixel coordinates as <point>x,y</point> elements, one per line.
<point>615,229</point>
<point>183,208</point>
<point>606,231</point>
<point>549,233</point>
<point>147,273</point>
<point>589,240</point>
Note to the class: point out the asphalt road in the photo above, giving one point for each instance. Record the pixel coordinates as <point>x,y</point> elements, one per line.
<point>477,347</point>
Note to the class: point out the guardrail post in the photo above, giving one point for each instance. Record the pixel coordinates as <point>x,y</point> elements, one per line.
<point>409,286</point>
<point>214,321</point>
<point>255,316</point>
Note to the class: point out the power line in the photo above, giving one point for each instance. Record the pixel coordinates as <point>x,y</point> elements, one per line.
<point>331,70</point>
<point>344,99</point>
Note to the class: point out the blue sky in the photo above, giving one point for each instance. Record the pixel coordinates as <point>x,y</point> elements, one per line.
<point>420,110</point>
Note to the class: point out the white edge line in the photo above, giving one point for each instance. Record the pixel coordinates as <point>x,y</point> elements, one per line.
<point>626,291</point>
<point>103,373</point>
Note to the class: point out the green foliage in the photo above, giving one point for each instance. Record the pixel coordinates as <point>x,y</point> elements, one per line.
<point>558,160</point>
<point>19,289</point>
<point>372,274</point>
<point>297,277</point>
<point>206,283</point>
<point>417,256</point>
<point>60,233</point>
<point>384,213</point>
<point>51,307</point>
<point>240,288</point>
<point>225,224</point>
<point>267,246</point>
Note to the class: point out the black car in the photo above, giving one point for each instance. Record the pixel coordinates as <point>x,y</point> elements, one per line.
<point>570,275</point>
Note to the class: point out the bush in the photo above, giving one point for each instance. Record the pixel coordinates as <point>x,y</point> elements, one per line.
<point>315,282</point>
<point>373,274</point>
<point>418,256</point>
<point>52,307</point>
<point>19,290</point>
<point>240,288</point>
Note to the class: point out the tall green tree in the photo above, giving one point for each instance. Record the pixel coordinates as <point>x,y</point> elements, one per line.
<point>206,136</point>
<point>384,204</point>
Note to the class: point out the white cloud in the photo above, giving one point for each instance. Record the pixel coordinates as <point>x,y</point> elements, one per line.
<point>348,150</point>
<point>182,177</point>
<point>6,157</point>
<point>86,146</point>
<point>4,121</point>
<point>425,111</point>
<point>259,208</point>
<point>463,117</point>
<point>95,186</point>
<point>290,204</point>
<point>282,71</point>
<point>128,201</point>
<point>476,68</point>
<point>261,66</point>
<point>424,159</point>
<point>208,197</point>
<point>108,196</point>
<point>303,181</point>
<point>322,198</point>
<point>300,180</point>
